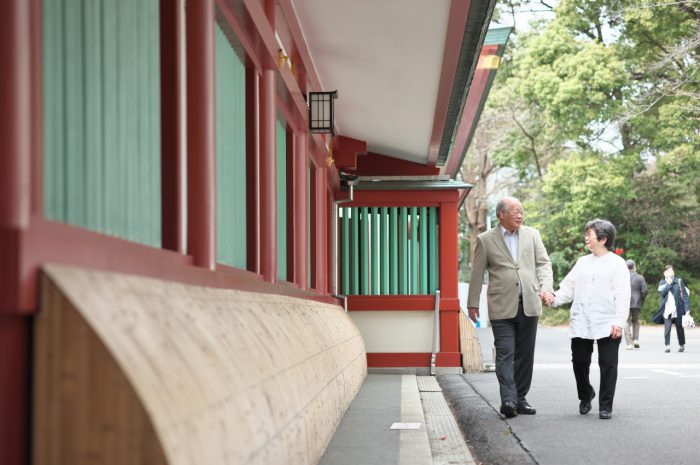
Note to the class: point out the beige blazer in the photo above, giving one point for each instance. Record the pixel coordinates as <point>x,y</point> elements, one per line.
<point>532,268</point>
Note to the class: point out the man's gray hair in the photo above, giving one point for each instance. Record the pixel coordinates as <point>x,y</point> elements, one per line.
<point>501,205</point>
<point>630,264</point>
<point>603,229</point>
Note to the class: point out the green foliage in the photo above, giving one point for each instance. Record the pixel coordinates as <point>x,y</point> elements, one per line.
<point>599,107</point>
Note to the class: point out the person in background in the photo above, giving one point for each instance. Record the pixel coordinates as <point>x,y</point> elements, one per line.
<point>519,273</point>
<point>599,286</point>
<point>673,305</point>
<point>639,293</point>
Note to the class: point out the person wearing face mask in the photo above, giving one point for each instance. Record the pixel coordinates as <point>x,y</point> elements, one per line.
<point>674,304</point>
<point>599,286</point>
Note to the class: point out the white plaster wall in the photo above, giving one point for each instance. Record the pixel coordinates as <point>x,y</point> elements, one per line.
<point>227,377</point>
<point>395,331</point>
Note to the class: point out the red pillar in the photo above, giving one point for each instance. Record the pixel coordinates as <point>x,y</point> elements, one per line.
<point>201,142</point>
<point>15,113</point>
<point>172,179</point>
<point>301,213</point>
<point>252,114</point>
<point>449,298</point>
<point>321,243</point>
<point>268,165</point>
<point>268,177</point>
<point>16,55</point>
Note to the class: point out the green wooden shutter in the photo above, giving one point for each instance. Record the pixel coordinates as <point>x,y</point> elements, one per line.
<point>230,155</point>
<point>101,99</point>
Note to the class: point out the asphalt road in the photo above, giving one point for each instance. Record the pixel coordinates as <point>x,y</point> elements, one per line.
<point>656,414</point>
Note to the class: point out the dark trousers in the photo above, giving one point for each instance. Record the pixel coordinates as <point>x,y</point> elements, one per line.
<point>680,331</point>
<point>514,340</point>
<point>581,350</point>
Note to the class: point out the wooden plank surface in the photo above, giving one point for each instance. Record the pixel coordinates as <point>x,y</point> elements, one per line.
<point>221,376</point>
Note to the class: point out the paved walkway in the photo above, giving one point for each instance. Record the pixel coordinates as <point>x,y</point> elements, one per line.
<point>365,437</point>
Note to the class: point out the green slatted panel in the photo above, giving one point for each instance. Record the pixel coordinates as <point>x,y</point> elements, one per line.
<point>423,223</point>
<point>432,250</point>
<point>94,182</point>
<point>384,250</point>
<point>345,250</point>
<point>394,250</point>
<point>355,250</point>
<point>375,250</point>
<point>414,250</point>
<point>75,117</point>
<point>281,201</point>
<point>230,155</point>
<point>101,109</point>
<point>403,251</point>
<point>364,250</point>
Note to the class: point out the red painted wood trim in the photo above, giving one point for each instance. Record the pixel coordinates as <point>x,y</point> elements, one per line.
<point>301,211</point>
<point>201,140</point>
<point>313,233</point>
<point>449,304</point>
<point>37,96</point>
<point>299,49</point>
<point>449,331</point>
<point>15,113</point>
<point>448,359</point>
<point>252,115</point>
<point>391,302</point>
<point>459,11</point>
<point>412,360</point>
<point>242,36</point>
<point>375,164</point>
<point>14,388</point>
<point>49,241</point>
<point>401,198</point>
<point>320,225</point>
<point>291,205</point>
<point>172,187</point>
<point>467,123</point>
<point>449,321</point>
<point>268,177</point>
<point>448,250</point>
<point>397,360</point>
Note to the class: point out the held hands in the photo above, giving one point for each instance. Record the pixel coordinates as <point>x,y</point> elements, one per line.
<point>547,298</point>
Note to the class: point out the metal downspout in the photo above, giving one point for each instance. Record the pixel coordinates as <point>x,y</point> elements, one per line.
<point>436,333</point>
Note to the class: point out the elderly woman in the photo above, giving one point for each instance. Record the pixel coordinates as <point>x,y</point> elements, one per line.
<point>599,286</point>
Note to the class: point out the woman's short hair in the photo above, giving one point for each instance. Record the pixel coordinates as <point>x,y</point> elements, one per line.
<point>604,229</point>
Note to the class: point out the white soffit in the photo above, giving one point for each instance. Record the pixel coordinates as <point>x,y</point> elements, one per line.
<point>384,57</point>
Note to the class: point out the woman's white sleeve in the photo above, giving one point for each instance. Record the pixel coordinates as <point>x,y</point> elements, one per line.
<point>565,293</point>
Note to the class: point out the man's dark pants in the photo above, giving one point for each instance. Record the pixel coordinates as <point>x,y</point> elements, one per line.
<point>581,350</point>
<point>514,339</point>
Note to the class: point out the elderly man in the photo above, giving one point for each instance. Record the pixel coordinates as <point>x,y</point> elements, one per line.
<point>520,277</point>
<point>639,293</point>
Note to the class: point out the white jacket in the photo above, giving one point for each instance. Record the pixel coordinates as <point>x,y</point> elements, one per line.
<point>600,290</point>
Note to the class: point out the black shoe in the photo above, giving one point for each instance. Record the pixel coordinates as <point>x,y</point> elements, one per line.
<point>585,406</point>
<point>605,415</point>
<point>509,409</point>
<point>526,409</point>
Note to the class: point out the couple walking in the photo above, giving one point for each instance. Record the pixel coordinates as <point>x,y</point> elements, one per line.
<point>520,280</point>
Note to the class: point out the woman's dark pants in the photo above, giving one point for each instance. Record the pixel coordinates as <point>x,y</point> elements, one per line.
<point>581,350</point>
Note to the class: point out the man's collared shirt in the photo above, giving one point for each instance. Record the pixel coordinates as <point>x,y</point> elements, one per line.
<point>511,240</point>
